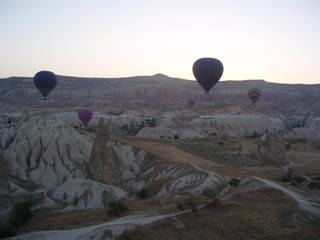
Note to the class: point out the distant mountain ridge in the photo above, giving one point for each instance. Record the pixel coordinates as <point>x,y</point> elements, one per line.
<point>160,93</point>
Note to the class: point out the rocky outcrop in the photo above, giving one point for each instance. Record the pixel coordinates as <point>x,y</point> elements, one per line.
<point>236,125</point>
<point>295,122</point>
<point>220,125</point>
<point>104,166</point>
<point>159,176</point>
<point>271,149</point>
<point>310,130</point>
<point>85,194</point>
<point>45,152</point>
<point>125,123</point>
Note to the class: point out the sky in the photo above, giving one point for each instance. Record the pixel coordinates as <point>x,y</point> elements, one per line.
<point>274,40</point>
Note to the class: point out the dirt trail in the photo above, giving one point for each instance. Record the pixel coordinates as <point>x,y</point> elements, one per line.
<point>304,162</point>
<point>174,154</point>
<point>88,232</point>
<point>304,203</point>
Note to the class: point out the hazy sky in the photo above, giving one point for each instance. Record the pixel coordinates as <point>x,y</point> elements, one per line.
<point>275,40</point>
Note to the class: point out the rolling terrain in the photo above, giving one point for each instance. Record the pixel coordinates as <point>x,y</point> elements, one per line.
<point>160,93</point>
<point>253,171</point>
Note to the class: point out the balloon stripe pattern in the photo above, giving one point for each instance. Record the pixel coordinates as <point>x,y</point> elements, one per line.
<point>254,94</point>
<point>207,71</point>
<point>45,81</point>
<point>85,116</point>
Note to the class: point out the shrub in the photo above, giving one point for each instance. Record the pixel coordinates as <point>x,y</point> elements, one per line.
<point>65,196</point>
<point>36,199</point>
<point>234,182</point>
<point>180,205</point>
<point>287,177</point>
<point>85,197</point>
<point>214,202</point>
<point>75,200</point>
<point>116,208</point>
<point>104,197</point>
<point>297,180</point>
<point>6,231</point>
<point>255,135</point>
<point>194,206</point>
<point>209,192</point>
<point>107,197</point>
<point>21,213</point>
<point>193,202</point>
<point>142,193</point>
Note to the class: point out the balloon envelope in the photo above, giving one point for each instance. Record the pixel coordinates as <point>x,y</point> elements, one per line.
<point>45,81</point>
<point>207,71</point>
<point>85,115</point>
<point>254,94</point>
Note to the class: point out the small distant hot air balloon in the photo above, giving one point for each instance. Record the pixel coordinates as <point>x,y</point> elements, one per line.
<point>85,116</point>
<point>254,94</point>
<point>45,81</point>
<point>207,71</point>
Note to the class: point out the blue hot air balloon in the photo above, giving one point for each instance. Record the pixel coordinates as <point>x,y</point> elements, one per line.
<point>45,81</point>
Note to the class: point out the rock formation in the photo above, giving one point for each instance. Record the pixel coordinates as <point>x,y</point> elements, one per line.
<point>271,149</point>
<point>45,152</point>
<point>220,125</point>
<point>104,165</point>
<point>89,194</point>
<point>310,130</point>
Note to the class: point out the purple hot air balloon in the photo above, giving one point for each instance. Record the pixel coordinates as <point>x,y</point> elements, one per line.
<point>85,115</point>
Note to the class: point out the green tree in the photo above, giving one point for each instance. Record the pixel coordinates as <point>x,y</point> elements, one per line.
<point>75,200</point>
<point>116,208</point>
<point>108,196</point>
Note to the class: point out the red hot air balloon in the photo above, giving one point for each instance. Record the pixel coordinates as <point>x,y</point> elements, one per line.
<point>85,115</point>
<point>254,94</point>
<point>207,71</point>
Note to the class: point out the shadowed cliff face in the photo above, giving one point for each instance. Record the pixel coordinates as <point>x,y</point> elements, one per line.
<point>160,93</point>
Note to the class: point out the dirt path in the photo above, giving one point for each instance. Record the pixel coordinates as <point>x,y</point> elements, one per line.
<point>305,203</point>
<point>174,154</point>
<point>119,225</point>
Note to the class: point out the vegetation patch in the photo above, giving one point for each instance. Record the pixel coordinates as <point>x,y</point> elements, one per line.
<point>22,212</point>
<point>142,193</point>
<point>234,182</point>
<point>116,208</point>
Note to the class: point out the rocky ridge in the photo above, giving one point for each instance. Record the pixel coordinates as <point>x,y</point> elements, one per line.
<point>160,93</point>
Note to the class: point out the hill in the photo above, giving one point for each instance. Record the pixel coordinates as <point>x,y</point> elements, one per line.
<point>160,93</point>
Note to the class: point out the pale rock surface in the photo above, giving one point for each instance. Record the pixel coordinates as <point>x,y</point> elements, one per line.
<point>310,130</point>
<point>46,152</point>
<point>221,125</point>
<point>89,193</point>
<point>125,123</point>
